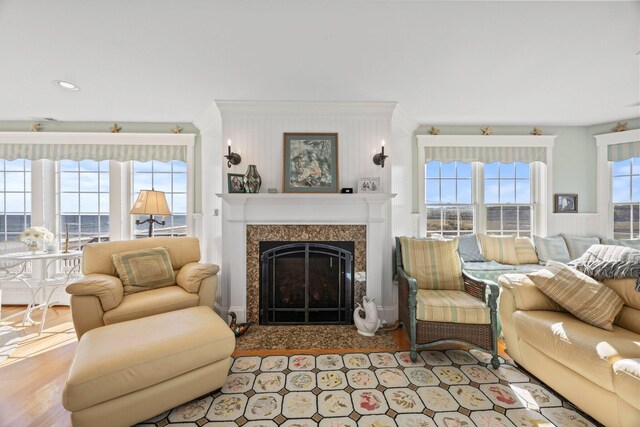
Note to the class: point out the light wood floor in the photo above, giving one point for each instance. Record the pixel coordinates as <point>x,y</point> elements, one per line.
<point>33,377</point>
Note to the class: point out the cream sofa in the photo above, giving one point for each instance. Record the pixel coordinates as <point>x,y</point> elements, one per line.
<point>98,299</point>
<point>597,370</point>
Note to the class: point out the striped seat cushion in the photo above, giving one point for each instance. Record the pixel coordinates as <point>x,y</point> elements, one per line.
<point>501,249</point>
<point>525,251</point>
<point>435,264</point>
<point>584,297</point>
<point>451,307</point>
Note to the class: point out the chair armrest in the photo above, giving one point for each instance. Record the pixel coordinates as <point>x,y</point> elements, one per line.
<point>192,274</point>
<point>478,288</point>
<point>107,288</point>
<point>406,280</point>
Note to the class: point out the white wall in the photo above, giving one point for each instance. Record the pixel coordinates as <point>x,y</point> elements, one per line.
<point>256,130</point>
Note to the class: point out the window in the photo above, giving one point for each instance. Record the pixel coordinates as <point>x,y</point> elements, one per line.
<point>625,198</point>
<point>448,196</point>
<point>170,177</point>
<point>454,205</point>
<point>507,198</point>
<point>84,201</point>
<point>15,198</point>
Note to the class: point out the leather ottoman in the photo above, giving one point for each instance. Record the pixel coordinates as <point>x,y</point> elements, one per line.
<point>128,372</point>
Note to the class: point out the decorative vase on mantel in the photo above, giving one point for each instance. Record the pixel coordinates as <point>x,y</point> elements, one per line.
<point>252,180</point>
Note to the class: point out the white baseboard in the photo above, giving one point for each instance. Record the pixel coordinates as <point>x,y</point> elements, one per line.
<point>388,313</point>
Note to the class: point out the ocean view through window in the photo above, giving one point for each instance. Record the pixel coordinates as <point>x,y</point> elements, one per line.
<point>15,198</point>
<point>625,198</point>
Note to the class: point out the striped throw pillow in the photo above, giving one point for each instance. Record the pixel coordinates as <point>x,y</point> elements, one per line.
<point>579,245</point>
<point>435,264</point>
<point>630,243</point>
<point>586,298</point>
<point>525,251</point>
<point>551,248</point>
<point>144,269</point>
<point>501,249</point>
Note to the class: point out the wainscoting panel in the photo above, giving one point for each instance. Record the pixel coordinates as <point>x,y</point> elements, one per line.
<point>580,224</point>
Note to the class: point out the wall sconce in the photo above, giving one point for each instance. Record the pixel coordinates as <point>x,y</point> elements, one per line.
<point>379,158</point>
<point>232,158</point>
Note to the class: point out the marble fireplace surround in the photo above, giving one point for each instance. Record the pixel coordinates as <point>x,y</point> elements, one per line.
<point>302,233</point>
<point>249,218</point>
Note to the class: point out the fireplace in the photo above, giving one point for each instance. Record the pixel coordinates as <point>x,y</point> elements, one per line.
<point>306,282</point>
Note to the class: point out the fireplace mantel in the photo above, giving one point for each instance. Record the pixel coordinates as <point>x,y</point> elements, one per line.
<point>239,210</point>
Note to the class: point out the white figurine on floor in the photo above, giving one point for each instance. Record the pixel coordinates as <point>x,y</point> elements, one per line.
<point>370,324</point>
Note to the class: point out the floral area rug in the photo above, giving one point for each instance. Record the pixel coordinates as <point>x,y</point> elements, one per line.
<point>9,339</point>
<point>453,388</point>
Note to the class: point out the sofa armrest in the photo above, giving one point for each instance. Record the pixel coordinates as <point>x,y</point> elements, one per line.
<point>523,294</point>
<point>107,288</point>
<point>192,274</point>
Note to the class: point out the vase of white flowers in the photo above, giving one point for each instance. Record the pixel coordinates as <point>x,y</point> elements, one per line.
<point>35,237</point>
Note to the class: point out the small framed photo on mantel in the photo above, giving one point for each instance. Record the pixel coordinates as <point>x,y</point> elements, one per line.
<point>565,203</point>
<point>235,183</point>
<point>369,185</point>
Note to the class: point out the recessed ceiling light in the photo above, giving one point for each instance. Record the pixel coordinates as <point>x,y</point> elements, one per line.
<point>65,85</point>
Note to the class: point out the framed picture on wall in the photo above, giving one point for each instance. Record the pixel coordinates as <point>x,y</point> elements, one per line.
<point>235,183</point>
<point>565,203</point>
<point>310,163</point>
<point>369,185</point>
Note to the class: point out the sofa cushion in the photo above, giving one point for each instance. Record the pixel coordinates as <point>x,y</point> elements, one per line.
<point>629,319</point>
<point>585,349</point>
<point>152,302</point>
<point>451,306</point>
<point>630,243</point>
<point>579,245</point>
<point>626,289</point>
<point>554,248</point>
<point>115,360</point>
<point>435,264</point>
<point>526,295</point>
<point>501,249</point>
<point>525,251</point>
<point>144,269</point>
<point>469,249</point>
<point>626,380</point>
<point>582,296</point>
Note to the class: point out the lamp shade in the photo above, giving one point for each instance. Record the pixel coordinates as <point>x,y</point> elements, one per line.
<point>151,202</point>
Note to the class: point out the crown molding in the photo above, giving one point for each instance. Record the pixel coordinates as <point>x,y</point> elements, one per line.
<point>351,109</point>
<point>209,118</point>
<point>403,120</point>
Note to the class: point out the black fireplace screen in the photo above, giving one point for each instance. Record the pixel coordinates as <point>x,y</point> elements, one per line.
<point>306,282</point>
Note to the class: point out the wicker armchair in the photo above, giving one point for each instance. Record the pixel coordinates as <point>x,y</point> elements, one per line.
<point>425,334</point>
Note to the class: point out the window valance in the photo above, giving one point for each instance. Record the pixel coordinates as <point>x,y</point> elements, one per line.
<point>95,146</point>
<point>481,154</point>
<point>617,152</point>
<point>121,153</point>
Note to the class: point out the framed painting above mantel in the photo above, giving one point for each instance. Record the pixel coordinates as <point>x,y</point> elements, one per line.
<point>310,163</point>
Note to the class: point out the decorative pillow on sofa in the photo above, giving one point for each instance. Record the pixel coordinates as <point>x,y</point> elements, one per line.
<point>144,269</point>
<point>551,248</point>
<point>579,245</point>
<point>469,249</point>
<point>435,264</point>
<point>586,298</point>
<point>501,249</point>
<point>525,251</point>
<point>630,243</point>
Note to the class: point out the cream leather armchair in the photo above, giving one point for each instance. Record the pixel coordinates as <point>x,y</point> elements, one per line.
<point>98,299</point>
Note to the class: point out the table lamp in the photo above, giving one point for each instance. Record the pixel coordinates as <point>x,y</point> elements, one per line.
<point>150,202</point>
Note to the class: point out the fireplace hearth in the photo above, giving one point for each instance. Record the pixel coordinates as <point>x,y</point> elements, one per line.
<point>306,282</point>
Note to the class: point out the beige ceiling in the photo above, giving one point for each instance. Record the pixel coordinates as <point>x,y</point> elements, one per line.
<point>561,63</point>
